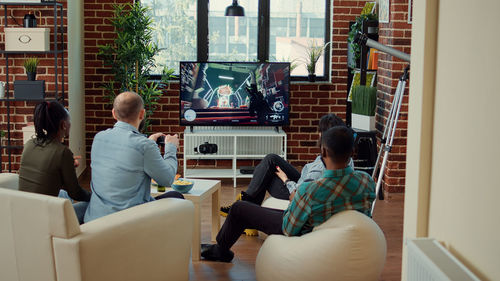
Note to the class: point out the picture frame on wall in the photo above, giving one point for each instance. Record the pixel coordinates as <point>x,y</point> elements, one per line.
<point>383,11</point>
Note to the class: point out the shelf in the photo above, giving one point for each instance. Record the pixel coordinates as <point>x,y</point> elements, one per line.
<point>30,52</point>
<point>51,3</point>
<point>13,100</point>
<point>216,156</point>
<point>214,173</point>
<point>208,156</point>
<point>11,146</point>
<point>239,133</point>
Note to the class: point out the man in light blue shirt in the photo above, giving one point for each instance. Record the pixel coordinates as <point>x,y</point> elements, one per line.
<point>123,161</point>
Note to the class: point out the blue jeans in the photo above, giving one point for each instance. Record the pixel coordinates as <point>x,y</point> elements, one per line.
<point>79,207</point>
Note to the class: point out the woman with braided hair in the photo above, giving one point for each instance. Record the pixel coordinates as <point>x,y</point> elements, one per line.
<point>47,165</point>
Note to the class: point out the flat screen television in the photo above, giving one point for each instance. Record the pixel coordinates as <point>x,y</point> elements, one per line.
<point>234,93</point>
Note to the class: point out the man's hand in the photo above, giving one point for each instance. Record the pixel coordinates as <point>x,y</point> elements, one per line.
<point>281,174</point>
<point>292,194</point>
<point>172,139</point>
<point>155,137</point>
<point>75,159</point>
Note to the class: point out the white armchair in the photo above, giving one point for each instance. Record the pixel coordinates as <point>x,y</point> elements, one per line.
<point>349,246</point>
<point>40,239</point>
<point>9,180</point>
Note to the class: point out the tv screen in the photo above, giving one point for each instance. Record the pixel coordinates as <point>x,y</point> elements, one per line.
<point>234,93</point>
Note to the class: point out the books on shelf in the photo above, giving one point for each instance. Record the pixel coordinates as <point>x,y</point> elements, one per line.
<point>372,61</point>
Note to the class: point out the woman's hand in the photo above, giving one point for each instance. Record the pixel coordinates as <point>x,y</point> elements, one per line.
<point>281,174</point>
<point>76,163</point>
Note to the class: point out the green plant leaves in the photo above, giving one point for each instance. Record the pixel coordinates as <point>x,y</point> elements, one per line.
<point>364,100</point>
<point>131,57</point>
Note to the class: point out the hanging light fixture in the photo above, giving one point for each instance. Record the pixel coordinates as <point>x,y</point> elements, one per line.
<point>235,10</point>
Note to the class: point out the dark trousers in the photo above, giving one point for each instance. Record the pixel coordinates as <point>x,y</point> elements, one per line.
<point>170,194</point>
<point>264,179</point>
<point>244,214</point>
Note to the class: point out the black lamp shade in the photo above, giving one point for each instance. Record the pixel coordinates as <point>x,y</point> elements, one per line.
<point>235,10</point>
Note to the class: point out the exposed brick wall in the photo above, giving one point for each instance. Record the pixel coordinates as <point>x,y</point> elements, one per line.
<point>396,34</point>
<point>308,101</point>
<point>22,112</point>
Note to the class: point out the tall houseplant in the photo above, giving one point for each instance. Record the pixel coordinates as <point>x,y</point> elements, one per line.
<point>364,103</point>
<point>131,57</point>
<point>355,28</point>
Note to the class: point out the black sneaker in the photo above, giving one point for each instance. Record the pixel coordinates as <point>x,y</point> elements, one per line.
<point>224,210</point>
<point>215,253</point>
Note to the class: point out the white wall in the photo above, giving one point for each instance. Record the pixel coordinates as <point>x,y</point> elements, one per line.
<point>454,131</point>
<point>76,93</point>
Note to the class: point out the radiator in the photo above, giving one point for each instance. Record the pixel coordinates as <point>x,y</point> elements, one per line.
<point>428,260</point>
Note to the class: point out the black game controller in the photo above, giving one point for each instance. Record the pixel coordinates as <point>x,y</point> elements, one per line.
<point>160,140</point>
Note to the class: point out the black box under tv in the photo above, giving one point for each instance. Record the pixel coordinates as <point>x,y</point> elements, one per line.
<point>29,90</point>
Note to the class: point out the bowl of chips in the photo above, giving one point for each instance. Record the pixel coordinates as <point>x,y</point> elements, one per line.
<point>181,185</point>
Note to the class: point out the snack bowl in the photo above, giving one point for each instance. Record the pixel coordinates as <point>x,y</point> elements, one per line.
<point>183,186</point>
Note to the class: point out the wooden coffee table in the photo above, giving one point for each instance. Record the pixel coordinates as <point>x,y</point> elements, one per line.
<point>202,189</point>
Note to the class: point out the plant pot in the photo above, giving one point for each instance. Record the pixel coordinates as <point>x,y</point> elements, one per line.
<point>31,76</point>
<point>311,77</point>
<point>363,122</point>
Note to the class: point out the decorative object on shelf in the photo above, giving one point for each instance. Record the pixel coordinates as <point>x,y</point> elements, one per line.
<point>27,39</point>
<point>131,57</point>
<point>313,52</point>
<point>364,102</point>
<point>29,90</point>
<point>369,8</point>
<point>356,81</point>
<point>235,10</point>
<point>383,11</point>
<point>2,90</point>
<point>355,28</point>
<point>29,20</point>
<point>30,65</point>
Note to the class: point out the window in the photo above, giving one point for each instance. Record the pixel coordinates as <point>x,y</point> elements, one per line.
<point>272,30</point>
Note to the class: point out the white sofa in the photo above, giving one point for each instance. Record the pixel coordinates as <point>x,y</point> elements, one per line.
<point>9,180</point>
<point>40,239</point>
<point>349,246</point>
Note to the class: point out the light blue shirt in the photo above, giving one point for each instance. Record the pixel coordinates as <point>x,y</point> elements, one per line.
<point>311,172</point>
<point>123,162</point>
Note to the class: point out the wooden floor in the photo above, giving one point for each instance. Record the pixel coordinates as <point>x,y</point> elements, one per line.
<point>388,215</point>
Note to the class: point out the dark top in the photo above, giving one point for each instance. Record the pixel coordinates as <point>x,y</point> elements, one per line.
<point>48,168</point>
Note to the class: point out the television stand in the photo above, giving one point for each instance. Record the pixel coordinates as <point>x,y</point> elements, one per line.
<point>234,143</point>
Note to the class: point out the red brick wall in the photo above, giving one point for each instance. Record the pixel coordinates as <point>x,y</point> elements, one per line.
<point>308,101</point>
<point>396,34</point>
<point>22,112</point>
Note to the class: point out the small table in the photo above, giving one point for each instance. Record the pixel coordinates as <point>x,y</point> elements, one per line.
<point>201,190</point>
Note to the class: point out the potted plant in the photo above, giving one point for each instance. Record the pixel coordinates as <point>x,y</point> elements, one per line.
<point>30,65</point>
<point>313,53</point>
<point>131,57</point>
<point>364,102</point>
<point>354,48</point>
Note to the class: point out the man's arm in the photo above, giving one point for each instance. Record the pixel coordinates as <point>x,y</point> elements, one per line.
<point>161,169</point>
<point>298,212</point>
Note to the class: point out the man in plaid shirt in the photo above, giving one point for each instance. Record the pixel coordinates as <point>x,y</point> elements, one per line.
<point>340,188</point>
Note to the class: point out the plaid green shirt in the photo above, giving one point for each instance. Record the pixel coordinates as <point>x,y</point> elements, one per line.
<point>337,190</point>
